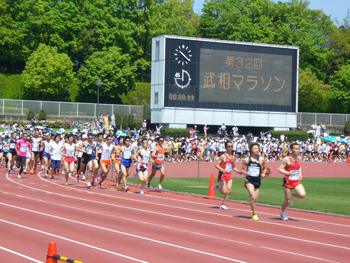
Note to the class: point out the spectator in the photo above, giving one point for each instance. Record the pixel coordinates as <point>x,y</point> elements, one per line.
<point>191,133</point>
<point>282,137</point>
<point>299,126</point>
<point>219,132</point>
<point>144,125</point>
<point>223,128</point>
<point>205,130</point>
<point>249,138</point>
<point>323,129</point>
<point>33,121</point>
<point>158,130</point>
<point>195,131</point>
<point>100,120</point>
<point>128,132</point>
<point>318,130</point>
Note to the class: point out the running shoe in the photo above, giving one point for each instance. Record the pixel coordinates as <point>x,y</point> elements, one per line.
<point>31,171</point>
<point>19,176</point>
<point>215,188</point>
<point>255,217</point>
<point>291,203</point>
<point>284,216</point>
<point>119,186</point>
<point>24,171</point>
<point>45,176</point>
<point>67,183</point>
<point>52,177</point>
<point>78,178</point>
<point>93,181</point>
<point>83,177</point>
<point>70,174</point>
<point>99,185</point>
<point>141,192</point>
<point>88,185</point>
<point>160,187</point>
<point>148,186</point>
<point>11,169</point>
<point>223,207</point>
<point>126,189</point>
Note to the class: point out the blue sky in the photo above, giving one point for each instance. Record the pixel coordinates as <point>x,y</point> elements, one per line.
<point>336,8</point>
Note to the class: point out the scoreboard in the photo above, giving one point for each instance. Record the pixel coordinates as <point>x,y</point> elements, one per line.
<point>195,73</point>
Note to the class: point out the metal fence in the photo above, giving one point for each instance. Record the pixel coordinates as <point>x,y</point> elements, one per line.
<point>68,109</point>
<point>329,119</point>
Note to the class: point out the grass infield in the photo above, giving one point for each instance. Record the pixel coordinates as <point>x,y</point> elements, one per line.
<point>330,195</point>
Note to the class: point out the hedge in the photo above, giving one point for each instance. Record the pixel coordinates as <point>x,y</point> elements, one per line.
<point>291,135</point>
<point>175,133</point>
<point>347,128</point>
<point>49,124</point>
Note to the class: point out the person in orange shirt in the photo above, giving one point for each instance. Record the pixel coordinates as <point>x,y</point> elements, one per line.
<point>118,155</point>
<point>158,156</point>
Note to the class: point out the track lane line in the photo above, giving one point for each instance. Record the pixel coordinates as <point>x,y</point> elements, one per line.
<point>20,255</point>
<point>176,229</point>
<point>201,221</point>
<point>110,230</point>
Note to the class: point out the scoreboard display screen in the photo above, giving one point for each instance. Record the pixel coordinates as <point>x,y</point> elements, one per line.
<point>232,76</point>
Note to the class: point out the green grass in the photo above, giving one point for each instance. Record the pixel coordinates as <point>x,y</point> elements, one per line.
<point>330,195</point>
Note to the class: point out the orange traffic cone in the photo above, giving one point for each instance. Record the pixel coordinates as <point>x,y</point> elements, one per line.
<point>348,159</point>
<point>211,193</point>
<point>330,158</point>
<point>51,251</point>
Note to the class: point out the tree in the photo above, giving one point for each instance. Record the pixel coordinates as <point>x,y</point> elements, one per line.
<point>314,95</point>
<point>340,89</point>
<point>49,75</point>
<point>139,96</point>
<point>114,70</point>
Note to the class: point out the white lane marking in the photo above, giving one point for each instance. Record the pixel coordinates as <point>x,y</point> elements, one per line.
<point>201,211</point>
<point>176,229</point>
<point>118,232</point>
<point>201,221</point>
<point>19,254</point>
<point>70,240</point>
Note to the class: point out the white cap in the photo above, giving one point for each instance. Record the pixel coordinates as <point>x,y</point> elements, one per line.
<point>84,136</point>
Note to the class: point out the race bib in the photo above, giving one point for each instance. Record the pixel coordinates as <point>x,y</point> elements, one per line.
<point>295,176</point>
<point>229,167</point>
<point>35,146</point>
<point>106,155</point>
<point>145,159</point>
<point>127,154</point>
<point>253,171</point>
<point>89,150</point>
<point>161,157</point>
<point>57,155</point>
<point>23,148</point>
<point>12,145</point>
<point>69,153</point>
<point>46,149</point>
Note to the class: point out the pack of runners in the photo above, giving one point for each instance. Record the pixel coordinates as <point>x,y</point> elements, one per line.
<point>91,157</point>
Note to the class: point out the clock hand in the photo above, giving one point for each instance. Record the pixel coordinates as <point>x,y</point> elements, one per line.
<point>184,56</point>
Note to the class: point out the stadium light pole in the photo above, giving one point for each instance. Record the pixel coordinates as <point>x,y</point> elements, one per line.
<point>98,84</point>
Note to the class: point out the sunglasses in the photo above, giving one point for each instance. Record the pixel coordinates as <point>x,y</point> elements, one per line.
<point>127,140</point>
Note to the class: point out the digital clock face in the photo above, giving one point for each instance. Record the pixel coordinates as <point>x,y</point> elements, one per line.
<point>183,55</point>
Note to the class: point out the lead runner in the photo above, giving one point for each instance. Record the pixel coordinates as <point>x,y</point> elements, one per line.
<point>290,167</point>
<point>225,164</point>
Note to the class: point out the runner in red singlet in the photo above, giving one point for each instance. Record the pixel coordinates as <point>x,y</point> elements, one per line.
<point>290,167</point>
<point>225,164</point>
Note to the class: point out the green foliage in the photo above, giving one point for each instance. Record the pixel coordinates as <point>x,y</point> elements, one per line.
<point>340,88</point>
<point>138,125</point>
<point>30,115</point>
<point>291,135</point>
<point>115,71</point>
<point>175,133</point>
<point>11,86</point>
<point>131,121</point>
<point>125,121</point>
<point>118,119</point>
<point>42,115</point>
<point>314,95</point>
<point>49,75</point>
<point>347,128</point>
<point>139,96</point>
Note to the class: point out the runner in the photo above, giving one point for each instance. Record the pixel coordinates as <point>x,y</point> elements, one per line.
<point>225,164</point>
<point>142,157</point>
<point>290,167</point>
<point>119,175</point>
<point>21,147</point>
<point>11,156</point>
<point>126,160</point>
<point>87,148</point>
<point>36,145</point>
<point>46,155</point>
<point>106,154</point>
<point>68,151</point>
<point>56,157</point>
<point>158,156</point>
<point>251,168</point>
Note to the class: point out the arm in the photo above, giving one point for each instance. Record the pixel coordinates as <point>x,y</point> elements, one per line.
<point>244,166</point>
<point>235,168</point>
<point>263,167</point>
<point>136,155</point>
<point>62,152</point>
<point>99,147</point>
<point>285,162</point>
<point>218,162</point>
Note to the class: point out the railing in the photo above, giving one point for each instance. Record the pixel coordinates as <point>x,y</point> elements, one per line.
<point>329,119</point>
<point>67,109</point>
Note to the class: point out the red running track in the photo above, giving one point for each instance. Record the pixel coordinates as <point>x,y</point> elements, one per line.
<point>107,225</point>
